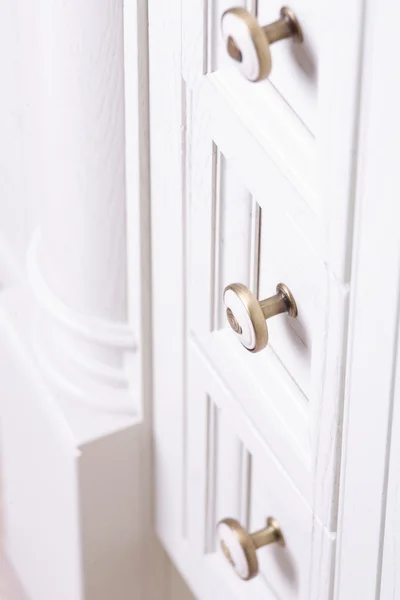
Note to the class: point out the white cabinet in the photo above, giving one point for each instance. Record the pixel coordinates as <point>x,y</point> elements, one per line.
<point>119,347</point>
<point>255,183</point>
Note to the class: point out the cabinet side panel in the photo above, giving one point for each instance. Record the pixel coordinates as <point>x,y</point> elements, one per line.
<point>373,334</point>
<point>167,134</point>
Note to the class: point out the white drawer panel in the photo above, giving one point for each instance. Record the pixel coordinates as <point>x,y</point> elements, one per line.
<point>294,66</point>
<point>307,127</point>
<point>255,229</point>
<point>286,569</point>
<point>286,257</point>
<point>259,248</point>
<point>232,473</point>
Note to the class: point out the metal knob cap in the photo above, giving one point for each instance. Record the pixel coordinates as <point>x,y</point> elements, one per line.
<point>240,547</point>
<point>248,44</point>
<point>246,315</point>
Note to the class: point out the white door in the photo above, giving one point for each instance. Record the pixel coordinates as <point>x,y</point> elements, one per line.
<point>252,184</point>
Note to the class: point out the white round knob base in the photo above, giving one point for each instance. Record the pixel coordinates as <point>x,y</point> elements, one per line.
<point>246,317</point>
<point>238,548</point>
<point>250,47</point>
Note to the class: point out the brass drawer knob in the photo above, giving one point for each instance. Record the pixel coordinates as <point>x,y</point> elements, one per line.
<point>246,315</point>
<point>239,546</point>
<point>248,43</point>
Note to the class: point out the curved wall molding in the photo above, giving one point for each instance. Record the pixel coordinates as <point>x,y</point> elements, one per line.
<point>92,328</point>
<point>77,258</point>
<point>84,355</point>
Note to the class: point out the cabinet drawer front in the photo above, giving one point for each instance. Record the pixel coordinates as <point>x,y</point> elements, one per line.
<point>323,112</point>
<point>285,256</point>
<point>232,473</point>
<point>241,234</point>
<point>294,66</point>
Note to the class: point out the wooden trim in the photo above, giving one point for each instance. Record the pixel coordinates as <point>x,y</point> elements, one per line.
<point>340,70</point>
<point>374,329</point>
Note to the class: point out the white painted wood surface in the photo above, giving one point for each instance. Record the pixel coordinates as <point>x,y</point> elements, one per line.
<point>367,529</point>
<point>234,174</point>
<point>346,220</point>
<point>390,534</point>
<point>262,489</point>
<point>75,391</point>
<point>295,66</point>
<point>228,151</point>
<point>291,227</point>
<point>166,185</point>
<point>339,91</point>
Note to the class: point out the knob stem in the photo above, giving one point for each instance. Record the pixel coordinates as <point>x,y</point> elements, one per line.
<point>279,30</point>
<point>270,534</point>
<point>287,26</point>
<point>282,302</point>
<point>275,305</point>
<point>264,537</point>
